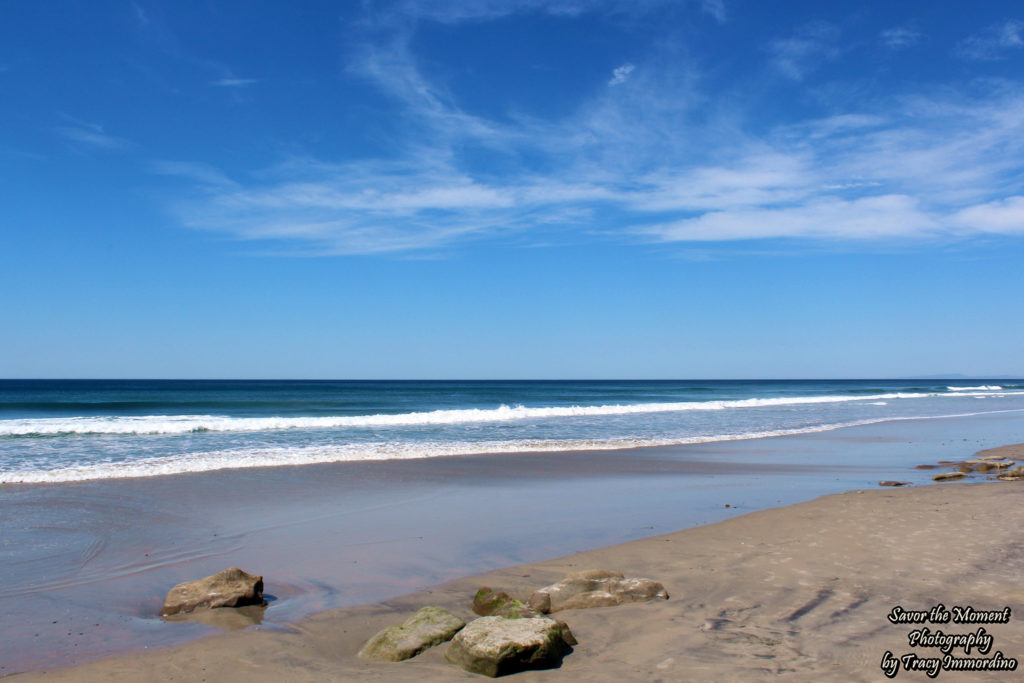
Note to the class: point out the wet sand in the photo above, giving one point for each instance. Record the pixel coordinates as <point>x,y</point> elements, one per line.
<point>329,535</point>
<point>798,593</point>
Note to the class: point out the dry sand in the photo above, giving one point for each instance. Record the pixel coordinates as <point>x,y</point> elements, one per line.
<point>798,593</point>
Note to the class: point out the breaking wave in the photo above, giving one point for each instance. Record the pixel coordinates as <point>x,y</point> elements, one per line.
<point>184,424</point>
<point>319,454</point>
<point>981,388</point>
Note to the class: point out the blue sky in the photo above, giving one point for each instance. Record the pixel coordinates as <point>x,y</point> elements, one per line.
<point>511,189</point>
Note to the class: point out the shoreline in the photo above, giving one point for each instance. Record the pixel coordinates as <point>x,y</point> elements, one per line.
<point>799,591</point>
<point>732,475</point>
<point>589,449</point>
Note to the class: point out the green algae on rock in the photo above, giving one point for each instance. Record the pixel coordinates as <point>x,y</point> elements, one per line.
<point>427,627</point>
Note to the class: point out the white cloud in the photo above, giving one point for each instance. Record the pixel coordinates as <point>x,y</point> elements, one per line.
<point>900,37</point>
<point>448,12</point>
<point>993,42</point>
<point>665,164</point>
<point>620,74</point>
<point>1005,216</point>
<point>798,55</point>
<point>760,179</point>
<point>715,8</point>
<point>931,167</point>
<point>234,82</point>
<point>203,174</point>
<point>91,135</point>
<point>140,14</point>
<point>868,218</point>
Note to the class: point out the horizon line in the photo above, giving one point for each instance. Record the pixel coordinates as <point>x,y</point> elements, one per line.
<point>952,377</point>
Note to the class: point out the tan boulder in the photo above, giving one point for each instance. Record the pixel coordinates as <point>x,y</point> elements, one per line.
<point>229,588</point>
<point>496,646</point>
<point>595,588</point>
<point>1015,474</point>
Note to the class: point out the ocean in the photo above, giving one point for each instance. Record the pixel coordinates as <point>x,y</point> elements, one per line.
<point>73,430</point>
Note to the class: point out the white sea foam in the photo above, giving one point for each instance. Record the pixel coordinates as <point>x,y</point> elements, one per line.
<point>183,424</point>
<point>309,455</point>
<point>393,450</point>
<point>981,388</point>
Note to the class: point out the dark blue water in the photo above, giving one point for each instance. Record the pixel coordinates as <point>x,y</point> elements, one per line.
<point>61,430</point>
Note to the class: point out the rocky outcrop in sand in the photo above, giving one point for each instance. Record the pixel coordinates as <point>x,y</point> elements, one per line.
<point>1015,474</point>
<point>595,588</point>
<point>496,646</point>
<point>987,466</point>
<point>229,588</point>
<point>984,462</point>
<point>427,627</point>
<point>488,602</point>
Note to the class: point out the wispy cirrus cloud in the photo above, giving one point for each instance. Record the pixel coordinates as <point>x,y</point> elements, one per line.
<point>234,82</point>
<point>716,8</point>
<point>157,33</point>
<point>801,53</point>
<point>90,135</point>
<point>203,174</point>
<point>445,11</point>
<point>884,216</point>
<point>900,37</point>
<point>994,42</point>
<point>653,160</point>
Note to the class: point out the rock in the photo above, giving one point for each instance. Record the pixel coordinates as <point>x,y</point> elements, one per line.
<point>1013,475</point>
<point>428,627</point>
<point>495,646</point>
<point>567,635</point>
<point>229,588</point>
<point>893,483</point>
<point>594,588</point>
<point>488,602</point>
<point>927,467</point>
<point>990,465</point>
<point>949,476</point>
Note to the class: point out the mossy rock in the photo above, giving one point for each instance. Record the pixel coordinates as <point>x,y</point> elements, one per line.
<point>496,646</point>
<point>428,627</point>
<point>488,602</point>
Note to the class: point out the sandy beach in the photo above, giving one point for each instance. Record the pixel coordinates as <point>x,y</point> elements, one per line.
<point>405,314</point>
<point>601,340</point>
<point>801,592</point>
